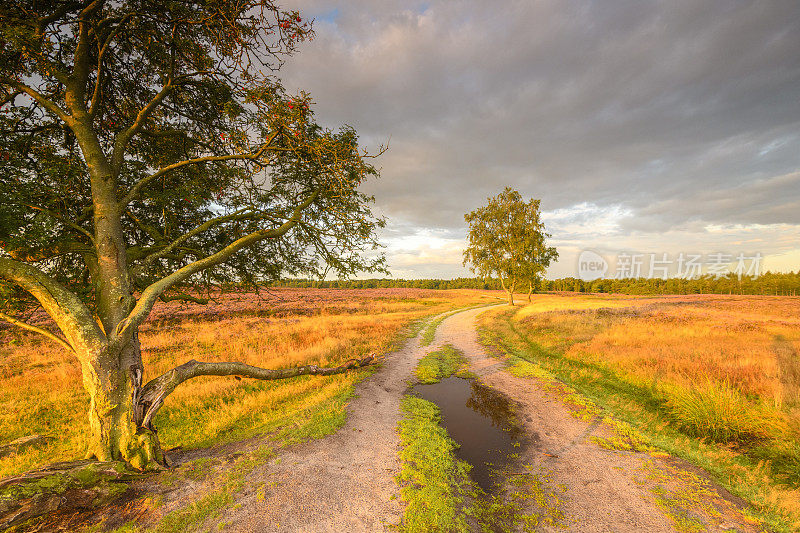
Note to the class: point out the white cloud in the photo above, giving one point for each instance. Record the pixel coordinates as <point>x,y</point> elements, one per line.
<point>644,125</point>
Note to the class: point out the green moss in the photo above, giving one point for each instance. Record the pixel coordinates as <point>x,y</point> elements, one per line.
<point>87,475</point>
<point>440,496</point>
<point>197,512</point>
<point>528,505</point>
<point>440,364</point>
<point>433,481</point>
<point>52,484</point>
<point>435,484</point>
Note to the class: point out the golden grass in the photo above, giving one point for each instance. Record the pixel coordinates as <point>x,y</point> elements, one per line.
<point>714,379</point>
<point>41,390</point>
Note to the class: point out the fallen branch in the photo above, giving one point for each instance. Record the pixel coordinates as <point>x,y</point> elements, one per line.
<point>152,395</point>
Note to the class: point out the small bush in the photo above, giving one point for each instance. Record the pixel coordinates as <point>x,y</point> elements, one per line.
<point>721,413</point>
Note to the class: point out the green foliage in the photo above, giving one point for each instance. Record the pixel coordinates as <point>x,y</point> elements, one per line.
<point>766,284</point>
<point>386,283</point>
<point>433,481</point>
<point>185,119</point>
<point>150,152</point>
<point>507,239</point>
<point>440,364</point>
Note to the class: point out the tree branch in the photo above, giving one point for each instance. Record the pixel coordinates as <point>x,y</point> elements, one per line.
<point>63,220</point>
<point>37,329</point>
<point>98,82</point>
<point>67,310</point>
<point>184,298</point>
<point>121,143</point>
<point>39,98</point>
<point>156,289</point>
<point>154,392</point>
<point>53,249</point>
<point>137,187</point>
<point>238,215</point>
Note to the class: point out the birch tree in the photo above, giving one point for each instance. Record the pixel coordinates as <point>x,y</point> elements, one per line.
<point>507,239</point>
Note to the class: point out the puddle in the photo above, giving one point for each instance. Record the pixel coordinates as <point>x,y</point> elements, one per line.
<point>481,421</point>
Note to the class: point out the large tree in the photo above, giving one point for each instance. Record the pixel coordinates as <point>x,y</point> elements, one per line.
<point>149,153</point>
<point>507,239</point>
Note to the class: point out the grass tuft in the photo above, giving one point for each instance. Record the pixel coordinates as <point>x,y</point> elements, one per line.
<point>717,411</point>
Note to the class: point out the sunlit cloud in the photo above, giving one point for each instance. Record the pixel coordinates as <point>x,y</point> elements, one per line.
<point>650,126</point>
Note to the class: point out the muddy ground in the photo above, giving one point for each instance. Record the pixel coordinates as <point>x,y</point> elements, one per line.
<point>346,482</point>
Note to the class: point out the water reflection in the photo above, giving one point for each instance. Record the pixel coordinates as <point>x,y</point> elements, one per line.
<point>481,420</point>
<point>495,406</point>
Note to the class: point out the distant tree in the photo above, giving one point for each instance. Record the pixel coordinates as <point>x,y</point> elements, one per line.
<point>507,239</point>
<point>149,153</point>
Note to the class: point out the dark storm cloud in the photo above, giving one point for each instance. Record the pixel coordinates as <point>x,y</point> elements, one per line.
<point>681,113</point>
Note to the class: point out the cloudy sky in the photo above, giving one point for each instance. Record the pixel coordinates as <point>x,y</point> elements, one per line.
<point>644,126</point>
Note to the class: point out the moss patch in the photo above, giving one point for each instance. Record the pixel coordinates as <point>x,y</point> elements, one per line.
<point>440,364</point>
<point>434,484</point>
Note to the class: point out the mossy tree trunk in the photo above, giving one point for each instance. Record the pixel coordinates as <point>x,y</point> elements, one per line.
<point>116,415</point>
<point>128,140</point>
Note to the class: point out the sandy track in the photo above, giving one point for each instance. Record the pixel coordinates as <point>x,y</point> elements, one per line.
<point>606,490</point>
<point>345,482</point>
<point>342,483</point>
<point>601,493</point>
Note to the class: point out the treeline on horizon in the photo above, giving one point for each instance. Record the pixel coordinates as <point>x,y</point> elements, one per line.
<point>778,284</point>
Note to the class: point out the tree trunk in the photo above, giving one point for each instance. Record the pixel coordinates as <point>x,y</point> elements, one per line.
<point>122,409</point>
<point>508,288</point>
<point>511,293</point>
<point>115,415</point>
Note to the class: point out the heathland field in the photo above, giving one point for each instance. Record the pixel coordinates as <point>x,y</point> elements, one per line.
<point>41,391</point>
<point>712,379</point>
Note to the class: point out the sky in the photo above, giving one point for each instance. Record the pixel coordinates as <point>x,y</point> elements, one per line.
<point>645,127</point>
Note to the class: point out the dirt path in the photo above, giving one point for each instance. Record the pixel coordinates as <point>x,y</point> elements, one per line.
<point>345,482</point>
<point>606,490</point>
<point>342,483</point>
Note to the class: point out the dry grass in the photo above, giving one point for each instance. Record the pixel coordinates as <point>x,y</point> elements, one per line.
<point>748,344</point>
<point>715,379</point>
<point>41,390</point>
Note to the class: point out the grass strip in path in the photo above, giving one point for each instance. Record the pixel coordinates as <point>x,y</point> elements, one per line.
<point>435,483</point>
<point>430,330</point>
